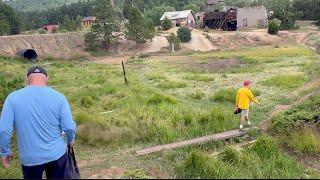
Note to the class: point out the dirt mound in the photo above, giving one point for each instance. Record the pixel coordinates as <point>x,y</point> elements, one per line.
<point>65,45</point>
<point>237,39</point>
<point>131,47</point>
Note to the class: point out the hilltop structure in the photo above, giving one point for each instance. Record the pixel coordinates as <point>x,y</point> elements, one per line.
<point>180,18</point>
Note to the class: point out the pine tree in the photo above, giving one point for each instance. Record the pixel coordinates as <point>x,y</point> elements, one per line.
<point>139,28</point>
<point>4,25</point>
<point>107,22</point>
<point>91,41</point>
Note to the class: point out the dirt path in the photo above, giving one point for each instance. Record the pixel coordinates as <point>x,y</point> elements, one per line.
<point>311,86</point>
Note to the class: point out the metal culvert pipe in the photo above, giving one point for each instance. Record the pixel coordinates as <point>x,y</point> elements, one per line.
<point>29,54</point>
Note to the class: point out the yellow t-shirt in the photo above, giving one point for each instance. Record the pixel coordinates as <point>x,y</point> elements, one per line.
<point>244,96</point>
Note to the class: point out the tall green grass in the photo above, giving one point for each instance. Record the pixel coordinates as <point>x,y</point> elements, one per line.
<point>263,160</point>
<point>305,141</point>
<point>286,81</point>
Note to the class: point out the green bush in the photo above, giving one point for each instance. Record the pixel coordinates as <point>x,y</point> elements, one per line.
<point>229,155</point>
<point>225,95</point>
<point>184,34</point>
<point>273,28</point>
<point>166,24</point>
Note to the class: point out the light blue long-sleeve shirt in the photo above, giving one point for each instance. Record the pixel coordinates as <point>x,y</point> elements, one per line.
<point>39,115</point>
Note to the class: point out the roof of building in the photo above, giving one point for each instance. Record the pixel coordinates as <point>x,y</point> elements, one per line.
<point>214,15</point>
<point>176,15</point>
<point>89,18</point>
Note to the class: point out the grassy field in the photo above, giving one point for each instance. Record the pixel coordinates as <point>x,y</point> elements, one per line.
<point>169,99</point>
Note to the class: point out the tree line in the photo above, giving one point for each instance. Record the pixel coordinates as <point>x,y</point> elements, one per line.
<point>69,16</point>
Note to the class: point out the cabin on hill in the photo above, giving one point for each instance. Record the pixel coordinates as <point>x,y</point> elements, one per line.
<point>180,18</point>
<point>50,28</point>
<point>88,21</point>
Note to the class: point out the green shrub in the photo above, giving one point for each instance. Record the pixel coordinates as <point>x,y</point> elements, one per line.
<point>229,155</point>
<point>225,95</point>
<point>286,81</point>
<point>184,34</point>
<point>91,41</point>
<point>273,28</point>
<point>159,99</point>
<point>166,24</point>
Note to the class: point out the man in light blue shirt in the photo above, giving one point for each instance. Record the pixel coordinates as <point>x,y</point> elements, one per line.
<point>44,127</point>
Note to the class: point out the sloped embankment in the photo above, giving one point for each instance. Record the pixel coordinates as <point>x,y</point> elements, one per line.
<point>64,45</point>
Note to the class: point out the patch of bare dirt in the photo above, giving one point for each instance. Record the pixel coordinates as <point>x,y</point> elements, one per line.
<point>213,65</point>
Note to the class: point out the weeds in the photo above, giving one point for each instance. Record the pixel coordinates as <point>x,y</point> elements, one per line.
<point>304,141</point>
<point>249,163</point>
<point>286,81</point>
<point>225,95</point>
<point>172,85</point>
<point>199,77</point>
<point>159,99</point>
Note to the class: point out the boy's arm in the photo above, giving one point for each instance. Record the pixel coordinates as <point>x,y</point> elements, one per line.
<point>6,129</point>
<point>252,98</point>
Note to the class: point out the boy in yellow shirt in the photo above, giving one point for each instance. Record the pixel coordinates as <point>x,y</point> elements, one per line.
<point>244,97</point>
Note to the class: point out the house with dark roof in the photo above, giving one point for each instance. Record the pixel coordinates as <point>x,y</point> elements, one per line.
<point>180,18</point>
<point>87,21</point>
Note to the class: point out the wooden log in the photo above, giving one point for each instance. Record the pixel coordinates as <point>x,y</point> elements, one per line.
<point>214,137</point>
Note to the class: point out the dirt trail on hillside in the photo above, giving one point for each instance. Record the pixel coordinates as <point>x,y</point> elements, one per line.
<point>312,85</point>
<point>199,42</point>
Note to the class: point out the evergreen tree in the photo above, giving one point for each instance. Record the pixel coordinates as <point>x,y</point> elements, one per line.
<point>139,28</point>
<point>69,24</point>
<point>4,25</point>
<point>91,41</point>
<point>184,34</point>
<point>107,22</point>
<point>10,19</point>
<point>166,24</point>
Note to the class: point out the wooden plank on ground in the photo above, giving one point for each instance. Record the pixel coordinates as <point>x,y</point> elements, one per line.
<point>214,137</point>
